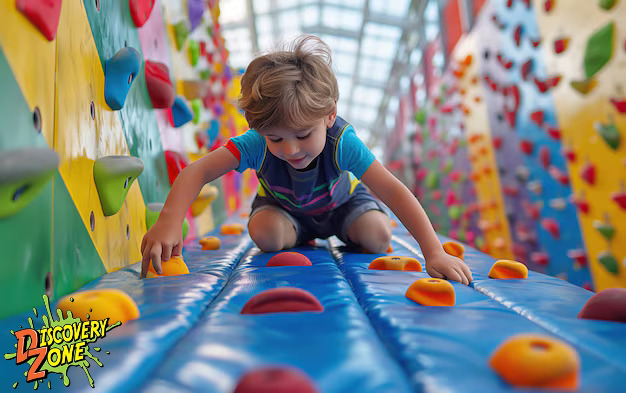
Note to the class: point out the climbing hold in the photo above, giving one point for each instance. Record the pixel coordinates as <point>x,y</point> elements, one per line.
<point>232,229</point>
<point>420,117</point>
<point>522,173</point>
<point>545,85</point>
<point>195,9</point>
<point>537,361</point>
<point>548,5</point>
<point>194,52</point>
<point>581,204</point>
<point>609,262</point>
<point>526,69</point>
<point>119,73</point>
<point>275,379</point>
<point>396,263</point>
<point>23,174</point>
<point>175,162</point>
<point>289,259</point>
<point>607,305</point>
<point>537,117</point>
<point>585,86</point>
<point>604,228</point>
<point>526,146</point>
<point>207,194</point>
<point>619,104</point>
<point>505,63</point>
<point>607,4</point>
<point>43,14</point>
<point>609,133</point>
<point>210,243</point>
<point>578,255</point>
<point>196,108</point>
<point>560,45</point>
<point>432,180</point>
<point>180,112</point>
<point>558,203</point>
<point>599,50</point>
<point>535,42</point>
<point>455,249</point>
<point>113,176</point>
<point>619,197</point>
<point>554,133</point>
<point>497,142</point>
<point>544,156</point>
<point>432,292</point>
<point>552,226</point>
<point>175,266</point>
<point>159,86</point>
<point>100,304</point>
<point>140,11</point>
<point>588,173</point>
<point>510,190</point>
<point>517,35</point>
<point>285,299</point>
<point>569,153</point>
<point>152,215</point>
<point>181,32</point>
<point>540,258</point>
<point>558,175</point>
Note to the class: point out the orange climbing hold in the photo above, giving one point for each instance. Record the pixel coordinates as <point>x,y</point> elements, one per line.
<point>289,259</point>
<point>232,229</point>
<point>100,304</point>
<point>455,249</point>
<point>210,243</point>
<point>432,292</point>
<point>175,266</point>
<point>505,269</point>
<point>537,361</point>
<point>396,263</point>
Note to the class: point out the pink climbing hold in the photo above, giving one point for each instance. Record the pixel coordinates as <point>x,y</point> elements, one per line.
<point>43,14</point>
<point>140,11</point>
<point>275,380</point>
<point>159,86</point>
<point>607,305</point>
<point>289,259</point>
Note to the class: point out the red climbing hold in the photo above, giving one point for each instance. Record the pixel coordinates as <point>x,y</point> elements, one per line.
<point>552,226</point>
<point>497,142</point>
<point>558,175</point>
<point>526,69</point>
<point>159,86</point>
<point>620,105</point>
<point>588,173</point>
<point>289,258</point>
<point>620,198</point>
<point>578,255</point>
<point>540,258</point>
<point>275,380</point>
<point>561,45</point>
<point>554,133</point>
<point>517,35</point>
<point>544,156</point>
<point>283,299</point>
<point>507,64</point>
<point>569,154</point>
<point>175,162</point>
<point>526,146</point>
<point>581,204</point>
<point>535,43</point>
<point>43,14</point>
<point>537,117</point>
<point>140,11</point>
<point>608,305</point>
<point>547,5</point>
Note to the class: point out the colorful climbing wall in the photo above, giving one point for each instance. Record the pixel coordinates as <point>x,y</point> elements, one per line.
<point>103,95</point>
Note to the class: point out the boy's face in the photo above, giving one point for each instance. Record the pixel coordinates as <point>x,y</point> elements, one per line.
<point>299,147</point>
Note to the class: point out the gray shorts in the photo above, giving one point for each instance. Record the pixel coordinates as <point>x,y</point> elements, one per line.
<point>335,222</point>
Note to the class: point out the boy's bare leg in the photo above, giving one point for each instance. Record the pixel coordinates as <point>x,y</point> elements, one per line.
<point>271,231</point>
<point>371,230</point>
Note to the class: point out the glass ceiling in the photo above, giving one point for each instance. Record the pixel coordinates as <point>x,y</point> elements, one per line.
<point>376,47</point>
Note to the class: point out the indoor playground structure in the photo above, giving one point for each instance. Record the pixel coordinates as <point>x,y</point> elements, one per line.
<point>515,148</point>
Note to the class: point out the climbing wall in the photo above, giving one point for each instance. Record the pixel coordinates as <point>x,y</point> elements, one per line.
<point>105,95</point>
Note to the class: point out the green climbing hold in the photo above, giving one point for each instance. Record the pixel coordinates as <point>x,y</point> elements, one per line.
<point>599,50</point>
<point>185,228</point>
<point>23,173</point>
<point>432,180</point>
<point>454,212</point>
<point>205,74</point>
<point>181,32</point>
<point>448,166</point>
<point>462,236</point>
<point>420,117</point>
<point>113,176</point>
<point>609,133</point>
<point>609,262</point>
<point>607,4</point>
<point>605,229</point>
<point>194,52</point>
<point>196,107</point>
<point>479,242</point>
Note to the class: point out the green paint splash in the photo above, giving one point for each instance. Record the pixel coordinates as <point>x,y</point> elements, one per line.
<point>50,323</point>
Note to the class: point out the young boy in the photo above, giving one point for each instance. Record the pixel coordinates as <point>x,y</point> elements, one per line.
<point>303,154</point>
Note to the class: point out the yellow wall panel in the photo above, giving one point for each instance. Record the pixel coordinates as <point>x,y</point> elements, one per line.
<point>81,139</point>
<point>577,114</point>
<point>493,220</point>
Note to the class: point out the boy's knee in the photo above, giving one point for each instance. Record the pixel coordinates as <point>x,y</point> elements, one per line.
<point>380,239</point>
<point>267,241</point>
<point>269,232</point>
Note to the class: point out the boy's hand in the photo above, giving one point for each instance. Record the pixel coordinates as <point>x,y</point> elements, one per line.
<point>162,240</point>
<point>443,265</point>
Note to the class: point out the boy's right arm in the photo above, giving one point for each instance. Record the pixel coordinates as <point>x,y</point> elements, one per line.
<point>164,238</point>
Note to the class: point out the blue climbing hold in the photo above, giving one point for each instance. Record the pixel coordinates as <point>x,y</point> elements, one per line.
<point>119,73</point>
<point>213,130</point>
<point>181,113</point>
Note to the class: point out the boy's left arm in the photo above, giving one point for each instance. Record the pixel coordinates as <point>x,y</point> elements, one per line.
<point>403,203</point>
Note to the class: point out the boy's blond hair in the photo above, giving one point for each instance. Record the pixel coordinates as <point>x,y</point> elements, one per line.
<point>291,88</point>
